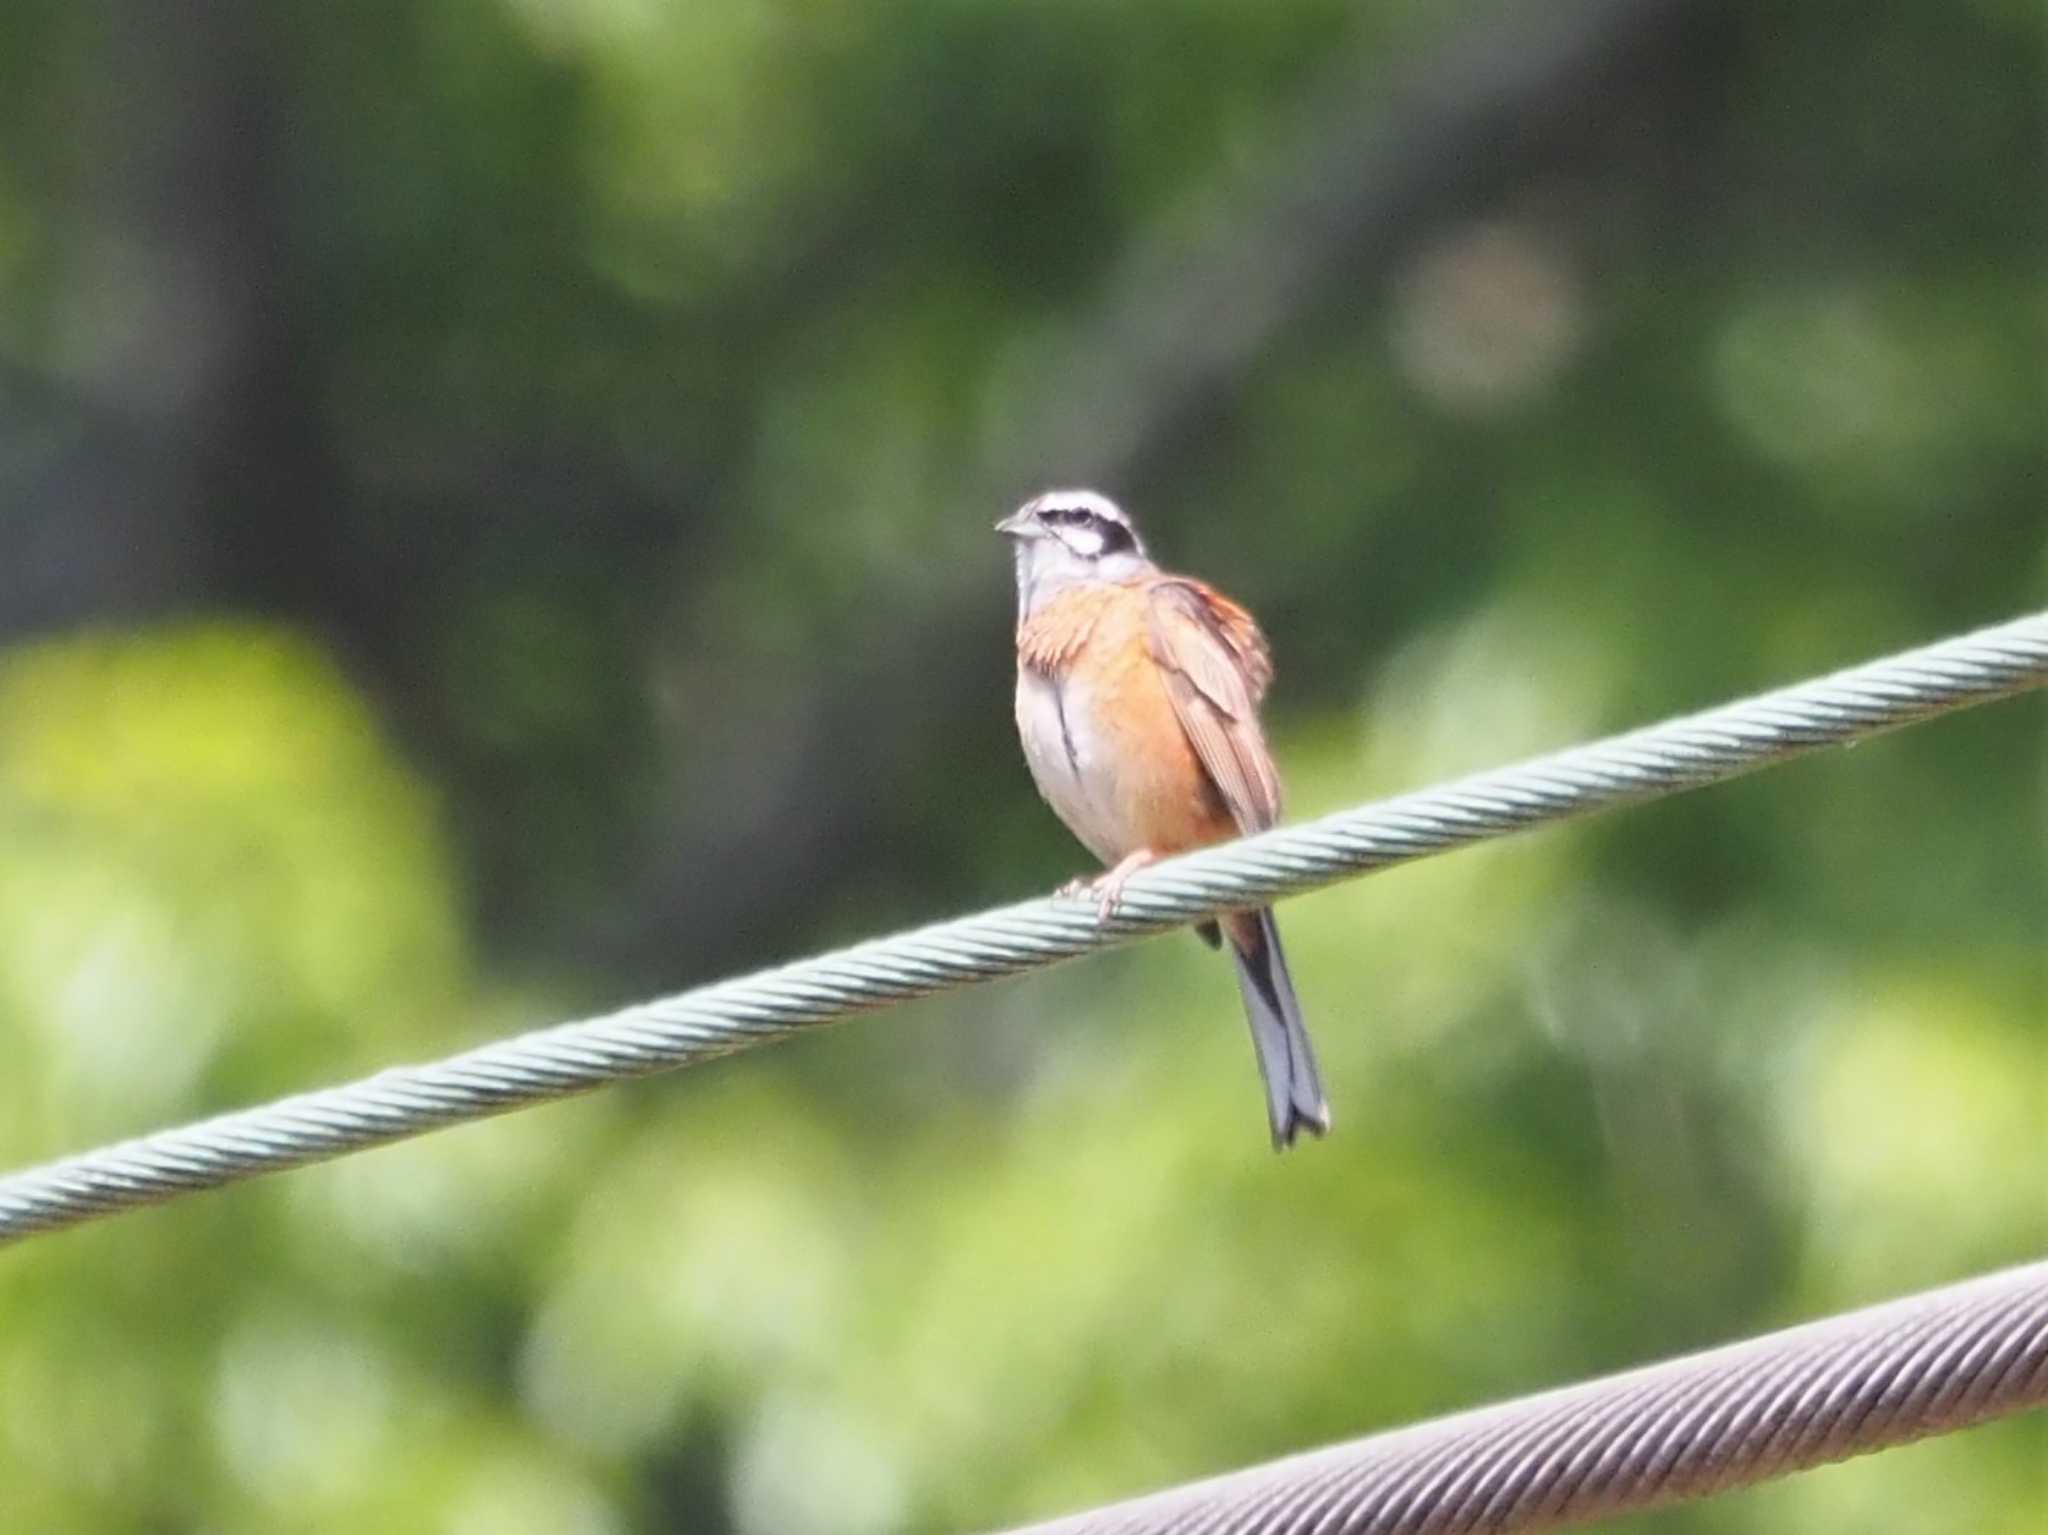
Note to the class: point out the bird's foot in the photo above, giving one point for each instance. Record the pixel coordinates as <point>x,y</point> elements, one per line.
<point>1108,889</point>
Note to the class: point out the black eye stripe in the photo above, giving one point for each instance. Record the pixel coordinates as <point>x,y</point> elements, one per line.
<point>1112,534</point>
<point>1078,517</point>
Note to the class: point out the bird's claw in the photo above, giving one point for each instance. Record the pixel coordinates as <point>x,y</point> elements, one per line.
<point>1107,889</point>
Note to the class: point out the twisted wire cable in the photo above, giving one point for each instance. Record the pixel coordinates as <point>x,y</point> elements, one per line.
<point>1709,1422</point>
<point>715,1020</point>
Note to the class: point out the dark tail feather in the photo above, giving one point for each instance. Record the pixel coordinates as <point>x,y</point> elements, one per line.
<point>1294,1091</point>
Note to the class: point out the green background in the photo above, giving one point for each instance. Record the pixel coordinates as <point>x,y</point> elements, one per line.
<point>494,523</point>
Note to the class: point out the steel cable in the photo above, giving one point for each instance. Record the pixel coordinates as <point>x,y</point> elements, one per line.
<point>1706,1423</point>
<point>718,1019</point>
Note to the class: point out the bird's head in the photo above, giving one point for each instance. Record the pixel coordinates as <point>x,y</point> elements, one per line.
<point>1066,537</point>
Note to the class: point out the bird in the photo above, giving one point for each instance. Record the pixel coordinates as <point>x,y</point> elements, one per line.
<point>1137,704</point>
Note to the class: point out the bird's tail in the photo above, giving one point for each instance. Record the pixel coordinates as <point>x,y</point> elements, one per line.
<point>1294,1090</point>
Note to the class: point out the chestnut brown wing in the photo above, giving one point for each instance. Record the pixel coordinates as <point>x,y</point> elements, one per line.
<point>1216,668</point>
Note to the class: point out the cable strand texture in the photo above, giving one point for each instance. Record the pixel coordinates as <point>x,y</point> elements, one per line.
<point>1709,1422</point>
<point>718,1019</point>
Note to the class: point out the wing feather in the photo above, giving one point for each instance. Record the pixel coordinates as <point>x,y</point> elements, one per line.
<point>1216,668</point>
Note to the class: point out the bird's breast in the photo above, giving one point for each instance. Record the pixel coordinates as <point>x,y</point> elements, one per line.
<point>1062,746</point>
<point>1104,744</point>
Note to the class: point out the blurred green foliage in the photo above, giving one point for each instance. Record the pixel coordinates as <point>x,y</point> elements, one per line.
<point>493,520</point>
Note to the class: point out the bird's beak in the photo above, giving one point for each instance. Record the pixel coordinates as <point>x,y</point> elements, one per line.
<point>1017,525</point>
